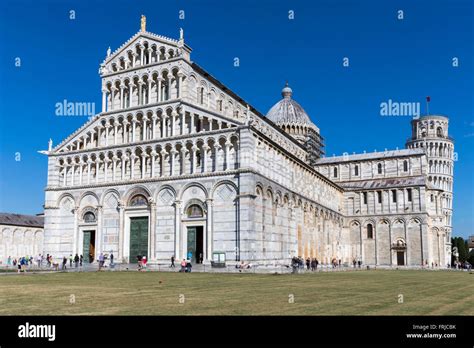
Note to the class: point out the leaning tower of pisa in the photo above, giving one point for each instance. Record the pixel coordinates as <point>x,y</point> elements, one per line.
<point>431,133</point>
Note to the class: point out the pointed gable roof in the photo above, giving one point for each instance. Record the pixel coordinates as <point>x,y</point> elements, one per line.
<point>136,38</point>
<point>58,147</point>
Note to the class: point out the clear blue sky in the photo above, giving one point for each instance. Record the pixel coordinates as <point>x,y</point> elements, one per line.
<point>403,60</point>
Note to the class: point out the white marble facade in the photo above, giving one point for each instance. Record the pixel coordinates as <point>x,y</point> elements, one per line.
<point>176,146</point>
<point>20,235</point>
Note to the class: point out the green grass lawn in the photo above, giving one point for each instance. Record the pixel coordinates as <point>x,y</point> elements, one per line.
<point>155,293</point>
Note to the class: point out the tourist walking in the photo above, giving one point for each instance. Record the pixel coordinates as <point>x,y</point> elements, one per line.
<point>143,263</point>
<point>9,261</point>
<point>308,261</point>
<point>81,259</point>
<point>111,260</point>
<point>64,263</point>
<point>70,260</point>
<point>76,261</point>
<point>172,262</point>
<point>38,260</point>
<point>101,261</point>
<point>25,262</point>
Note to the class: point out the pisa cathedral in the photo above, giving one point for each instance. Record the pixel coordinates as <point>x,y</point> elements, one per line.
<point>177,163</point>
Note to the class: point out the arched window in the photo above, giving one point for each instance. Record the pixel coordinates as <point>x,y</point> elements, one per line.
<point>89,217</point>
<point>370,231</point>
<point>198,158</point>
<point>379,168</point>
<point>138,200</point>
<point>405,166</point>
<point>439,132</point>
<point>194,211</point>
<point>335,172</point>
<point>356,170</point>
<point>201,95</point>
<point>198,125</point>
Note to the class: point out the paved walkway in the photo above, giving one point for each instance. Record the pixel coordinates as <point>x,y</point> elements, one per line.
<point>261,269</point>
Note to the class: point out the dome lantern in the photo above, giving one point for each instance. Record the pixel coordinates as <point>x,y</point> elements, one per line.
<point>288,111</point>
<point>291,117</point>
<point>286,92</point>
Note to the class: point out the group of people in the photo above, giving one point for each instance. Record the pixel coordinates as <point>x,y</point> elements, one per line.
<point>461,265</point>
<point>186,265</point>
<point>22,262</point>
<point>25,262</point>
<point>102,259</point>
<point>243,265</point>
<point>46,261</point>
<point>298,263</point>
<point>312,264</point>
<point>357,263</point>
<point>78,261</point>
<point>142,262</point>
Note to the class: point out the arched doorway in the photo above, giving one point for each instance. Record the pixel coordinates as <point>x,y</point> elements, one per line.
<point>88,226</point>
<point>194,221</point>
<point>137,211</point>
<point>400,248</point>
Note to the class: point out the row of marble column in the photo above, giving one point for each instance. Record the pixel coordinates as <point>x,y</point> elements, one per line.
<point>445,184</point>
<point>441,167</point>
<point>391,201</point>
<point>213,155</point>
<point>120,94</point>
<point>439,149</point>
<point>142,56</point>
<point>156,125</point>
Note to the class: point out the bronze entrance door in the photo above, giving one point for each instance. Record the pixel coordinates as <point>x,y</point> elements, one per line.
<point>138,238</point>
<point>88,246</point>
<point>400,258</point>
<point>195,246</point>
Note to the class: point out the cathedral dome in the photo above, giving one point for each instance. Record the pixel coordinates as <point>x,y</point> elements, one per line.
<point>288,111</point>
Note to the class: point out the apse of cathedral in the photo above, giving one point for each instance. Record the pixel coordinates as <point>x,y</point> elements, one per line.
<point>176,164</point>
